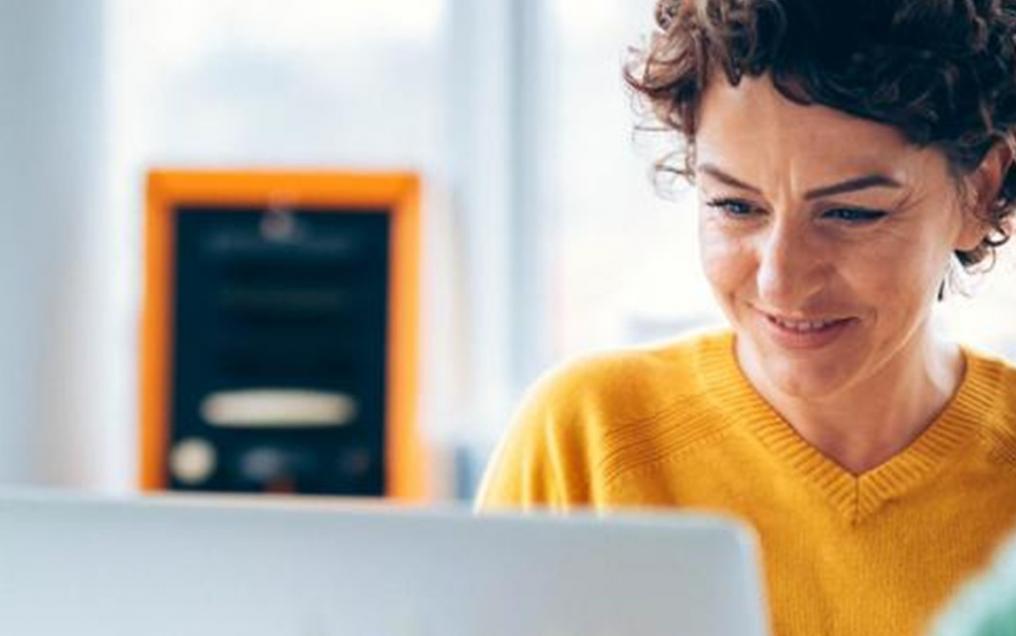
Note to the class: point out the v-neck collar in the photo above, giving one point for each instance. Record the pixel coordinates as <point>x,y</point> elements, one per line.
<point>856,497</point>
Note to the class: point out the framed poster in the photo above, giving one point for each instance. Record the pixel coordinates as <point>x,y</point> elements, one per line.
<point>279,346</point>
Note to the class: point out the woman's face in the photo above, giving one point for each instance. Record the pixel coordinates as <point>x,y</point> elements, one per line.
<point>824,236</point>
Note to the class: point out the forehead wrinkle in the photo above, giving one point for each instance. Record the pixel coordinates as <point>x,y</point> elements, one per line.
<point>800,176</point>
<point>786,149</point>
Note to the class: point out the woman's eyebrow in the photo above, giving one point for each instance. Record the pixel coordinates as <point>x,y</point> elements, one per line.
<point>723,177</point>
<point>875,180</point>
<point>851,185</point>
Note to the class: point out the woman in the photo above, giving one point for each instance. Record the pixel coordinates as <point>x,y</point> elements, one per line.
<point>846,155</point>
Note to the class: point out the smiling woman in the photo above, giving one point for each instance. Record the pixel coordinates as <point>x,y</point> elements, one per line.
<point>826,252</point>
<point>846,156</point>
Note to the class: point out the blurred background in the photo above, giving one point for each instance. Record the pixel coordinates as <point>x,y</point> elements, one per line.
<point>541,234</point>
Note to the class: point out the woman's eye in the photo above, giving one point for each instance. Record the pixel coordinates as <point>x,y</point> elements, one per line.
<point>732,207</point>
<point>853,215</point>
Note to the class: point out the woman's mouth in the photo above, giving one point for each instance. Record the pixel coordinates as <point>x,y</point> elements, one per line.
<point>810,333</point>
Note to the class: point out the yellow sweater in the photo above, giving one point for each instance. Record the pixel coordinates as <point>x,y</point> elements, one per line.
<point>679,425</point>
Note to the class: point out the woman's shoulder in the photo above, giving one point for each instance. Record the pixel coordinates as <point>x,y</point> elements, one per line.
<point>592,412</point>
<point>991,376</point>
<point>989,395</point>
<point>631,383</point>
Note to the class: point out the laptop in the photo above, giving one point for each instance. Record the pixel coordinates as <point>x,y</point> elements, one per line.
<point>179,566</point>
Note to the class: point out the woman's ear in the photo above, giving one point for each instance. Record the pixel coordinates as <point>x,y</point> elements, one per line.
<point>984,185</point>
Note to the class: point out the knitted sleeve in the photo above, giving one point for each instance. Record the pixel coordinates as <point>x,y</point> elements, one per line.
<point>544,459</point>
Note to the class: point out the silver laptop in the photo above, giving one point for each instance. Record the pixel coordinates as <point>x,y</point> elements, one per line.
<point>166,566</point>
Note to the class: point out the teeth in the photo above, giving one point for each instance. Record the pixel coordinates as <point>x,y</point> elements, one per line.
<point>803,326</point>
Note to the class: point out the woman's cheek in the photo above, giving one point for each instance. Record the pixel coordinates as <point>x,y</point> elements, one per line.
<point>728,262</point>
<point>906,278</point>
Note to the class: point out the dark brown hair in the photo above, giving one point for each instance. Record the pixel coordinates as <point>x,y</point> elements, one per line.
<point>943,72</point>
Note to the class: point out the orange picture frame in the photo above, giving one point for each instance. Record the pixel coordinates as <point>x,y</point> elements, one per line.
<point>398,192</point>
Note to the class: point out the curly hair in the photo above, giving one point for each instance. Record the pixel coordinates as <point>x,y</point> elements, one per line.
<point>943,72</point>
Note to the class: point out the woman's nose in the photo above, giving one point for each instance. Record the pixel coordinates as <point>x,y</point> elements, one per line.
<point>791,268</point>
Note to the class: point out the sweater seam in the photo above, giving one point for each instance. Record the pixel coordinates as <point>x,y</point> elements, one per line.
<point>613,477</point>
<point>660,415</point>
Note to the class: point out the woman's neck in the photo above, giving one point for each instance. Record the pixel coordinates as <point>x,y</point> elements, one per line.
<point>872,420</point>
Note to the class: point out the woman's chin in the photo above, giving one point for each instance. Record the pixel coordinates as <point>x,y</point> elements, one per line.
<point>806,379</point>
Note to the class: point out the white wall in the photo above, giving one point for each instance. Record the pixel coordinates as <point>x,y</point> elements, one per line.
<point>52,131</point>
